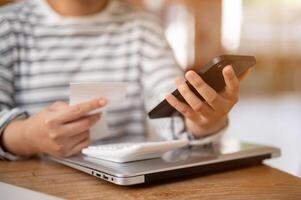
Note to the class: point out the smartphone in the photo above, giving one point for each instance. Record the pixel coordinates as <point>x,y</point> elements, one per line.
<point>212,75</point>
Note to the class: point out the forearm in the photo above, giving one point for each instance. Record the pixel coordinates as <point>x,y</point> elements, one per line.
<point>14,139</point>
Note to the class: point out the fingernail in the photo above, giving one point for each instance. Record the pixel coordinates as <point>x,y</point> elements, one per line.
<point>168,96</point>
<point>229,67</point>
<point>190,73</point>
<point>102,101</point>
<point>228,70</point>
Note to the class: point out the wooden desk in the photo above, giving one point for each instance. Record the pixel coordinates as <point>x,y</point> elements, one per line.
<point>259,182</point>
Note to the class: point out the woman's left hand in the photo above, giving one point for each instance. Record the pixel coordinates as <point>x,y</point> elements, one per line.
<point>204,118</point>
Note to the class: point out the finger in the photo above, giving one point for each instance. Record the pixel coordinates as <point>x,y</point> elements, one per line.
<point>79,126</point>
<point>209,94</point>
<point>196,104</point>
<point>58,105</point>
<point>232,83</point>
<point>74,140</point>
<point>181,107</point>
<point>64,146</point>
<point>77,111</point>
<point>68,143</point>
<point>78,147</point>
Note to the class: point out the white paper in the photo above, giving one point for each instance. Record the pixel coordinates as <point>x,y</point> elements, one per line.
<point>100,129</point>
<point>114,92</point>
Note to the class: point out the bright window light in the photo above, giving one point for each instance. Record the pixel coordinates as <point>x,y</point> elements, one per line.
<point>177,33</point>
<point>231,24</point>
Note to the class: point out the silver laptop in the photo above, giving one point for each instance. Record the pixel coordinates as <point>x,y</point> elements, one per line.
<point>229,154</point>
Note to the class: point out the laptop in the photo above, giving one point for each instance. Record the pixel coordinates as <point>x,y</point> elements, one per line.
<point>226,155</point>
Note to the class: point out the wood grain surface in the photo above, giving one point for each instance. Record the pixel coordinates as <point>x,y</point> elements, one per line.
<point>259,182</point>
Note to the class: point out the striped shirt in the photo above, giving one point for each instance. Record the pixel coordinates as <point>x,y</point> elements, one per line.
<point>42,52</point>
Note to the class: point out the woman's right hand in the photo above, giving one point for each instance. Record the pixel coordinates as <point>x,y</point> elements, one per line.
<point>59,130</point>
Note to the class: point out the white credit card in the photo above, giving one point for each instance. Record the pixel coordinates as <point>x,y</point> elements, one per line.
<point>114,92</point>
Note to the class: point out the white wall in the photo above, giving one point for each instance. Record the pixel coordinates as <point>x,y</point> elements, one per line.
<point>273,121</point>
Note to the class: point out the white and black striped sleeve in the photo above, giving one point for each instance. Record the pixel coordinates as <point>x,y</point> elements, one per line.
<point>160,70</point>
<point>8,111</point>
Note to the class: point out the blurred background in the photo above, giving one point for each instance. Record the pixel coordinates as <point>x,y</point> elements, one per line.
<point>269,111</point>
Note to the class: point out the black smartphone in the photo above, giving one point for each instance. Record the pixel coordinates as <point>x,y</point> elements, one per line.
<point>212,75</point>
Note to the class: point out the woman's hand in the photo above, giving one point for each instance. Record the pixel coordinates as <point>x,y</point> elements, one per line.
<point>203,118</point>
<point>59,130</point>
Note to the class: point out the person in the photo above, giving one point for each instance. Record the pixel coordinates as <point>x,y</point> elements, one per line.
<point>46,44</point>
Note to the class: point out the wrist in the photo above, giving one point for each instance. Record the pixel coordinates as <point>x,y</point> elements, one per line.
<point>30,147</point>
<point>14,139</point>
<point>200,130</point>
